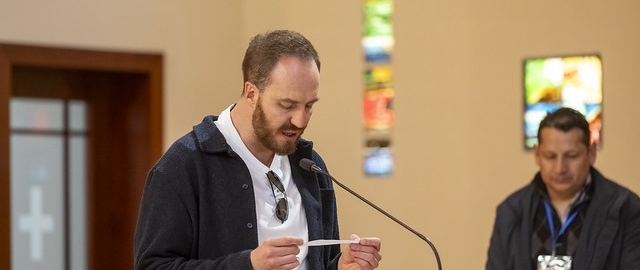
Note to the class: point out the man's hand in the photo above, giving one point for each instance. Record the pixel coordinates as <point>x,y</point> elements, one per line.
<point>277,253</point>
<point>364,255</point>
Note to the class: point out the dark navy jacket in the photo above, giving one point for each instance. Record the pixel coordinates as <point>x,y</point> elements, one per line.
<point>198,208</point>
<point>609,240</point>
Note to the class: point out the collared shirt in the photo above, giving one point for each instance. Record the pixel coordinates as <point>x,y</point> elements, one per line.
<point>269,225</point>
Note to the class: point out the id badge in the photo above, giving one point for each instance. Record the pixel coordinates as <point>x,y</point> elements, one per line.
<point>553,262</point>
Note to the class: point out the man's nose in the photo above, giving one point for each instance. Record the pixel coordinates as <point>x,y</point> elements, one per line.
<point>300,118</point>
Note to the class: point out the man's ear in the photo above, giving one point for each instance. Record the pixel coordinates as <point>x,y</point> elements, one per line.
<point>536,154</point>
<point>250,93</point>
<point>593,153</point>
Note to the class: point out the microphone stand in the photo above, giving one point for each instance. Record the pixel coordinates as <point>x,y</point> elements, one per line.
<point>315,168</point>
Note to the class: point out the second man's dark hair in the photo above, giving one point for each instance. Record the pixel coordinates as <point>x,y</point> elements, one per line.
<point>565,119</point>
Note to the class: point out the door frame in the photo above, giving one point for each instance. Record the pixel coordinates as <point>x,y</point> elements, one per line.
<point>150,65</point>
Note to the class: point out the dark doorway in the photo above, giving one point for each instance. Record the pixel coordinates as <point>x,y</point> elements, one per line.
<point>123,93</point>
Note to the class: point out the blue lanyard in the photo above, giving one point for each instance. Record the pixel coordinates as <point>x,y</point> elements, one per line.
<point>555,235</point>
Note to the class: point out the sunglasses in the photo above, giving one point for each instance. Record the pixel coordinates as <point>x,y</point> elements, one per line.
<point>282,208</point>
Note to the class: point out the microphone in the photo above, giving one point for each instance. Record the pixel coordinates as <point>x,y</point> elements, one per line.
<point>309,165</point>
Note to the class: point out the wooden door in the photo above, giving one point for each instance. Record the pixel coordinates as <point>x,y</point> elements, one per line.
<point>123,93</point>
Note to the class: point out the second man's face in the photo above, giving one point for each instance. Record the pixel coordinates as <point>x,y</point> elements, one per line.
<point>564,161</point>
<point>284,108</point>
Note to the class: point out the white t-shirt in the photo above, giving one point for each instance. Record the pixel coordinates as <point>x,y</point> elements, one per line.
<point>268,224</point>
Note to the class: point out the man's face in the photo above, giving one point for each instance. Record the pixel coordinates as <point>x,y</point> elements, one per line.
<point>284,108</point>
<point>564,161</point>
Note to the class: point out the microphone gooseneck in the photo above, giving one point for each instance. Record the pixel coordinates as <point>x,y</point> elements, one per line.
<point>309,165</point>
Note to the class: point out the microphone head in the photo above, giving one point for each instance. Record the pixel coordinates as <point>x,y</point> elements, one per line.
<point>307,164</point>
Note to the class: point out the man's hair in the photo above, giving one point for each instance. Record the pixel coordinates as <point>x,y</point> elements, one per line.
<point>565,119</point>
<point>266,49</point>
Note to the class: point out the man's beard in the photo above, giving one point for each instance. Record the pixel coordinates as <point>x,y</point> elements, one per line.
<point>265,135</point>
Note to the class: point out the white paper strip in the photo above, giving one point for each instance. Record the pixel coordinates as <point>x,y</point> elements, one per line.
<point>324,242</point>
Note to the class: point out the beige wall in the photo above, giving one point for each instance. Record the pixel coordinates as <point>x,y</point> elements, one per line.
<point>201,42</point>
<point>457,136</point>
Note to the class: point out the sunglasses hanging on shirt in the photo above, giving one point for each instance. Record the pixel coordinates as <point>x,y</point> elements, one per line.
<point>282,207</point>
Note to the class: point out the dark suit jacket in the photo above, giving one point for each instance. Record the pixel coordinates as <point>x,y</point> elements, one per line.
<point>610,238</point>
<point>198,208</point>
